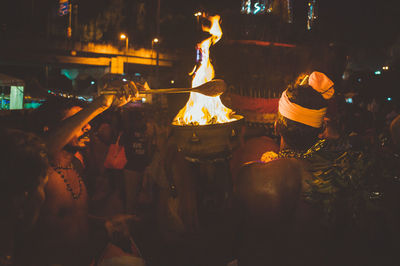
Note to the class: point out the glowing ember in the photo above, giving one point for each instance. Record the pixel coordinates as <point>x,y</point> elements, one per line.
<point>201,109</point>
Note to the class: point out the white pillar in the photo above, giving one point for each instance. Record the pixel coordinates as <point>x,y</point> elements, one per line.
<point>17,97</point>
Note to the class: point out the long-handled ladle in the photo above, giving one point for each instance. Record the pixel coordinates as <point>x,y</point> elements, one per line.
<point>212,88</point>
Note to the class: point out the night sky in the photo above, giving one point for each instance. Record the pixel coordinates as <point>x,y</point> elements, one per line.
<point>348,20</point>
<point>368,25</point>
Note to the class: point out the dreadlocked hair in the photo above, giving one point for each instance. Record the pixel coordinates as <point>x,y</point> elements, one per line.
<point>23,162</point>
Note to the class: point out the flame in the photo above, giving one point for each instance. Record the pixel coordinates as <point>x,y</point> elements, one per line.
<point>201,109</point>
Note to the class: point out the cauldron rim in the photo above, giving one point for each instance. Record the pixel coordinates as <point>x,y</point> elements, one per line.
<point>239,118</point>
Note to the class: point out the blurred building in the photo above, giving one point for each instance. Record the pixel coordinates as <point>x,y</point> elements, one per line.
<point>305,11</point>
<point>312,13</point>
<point>283,8</point>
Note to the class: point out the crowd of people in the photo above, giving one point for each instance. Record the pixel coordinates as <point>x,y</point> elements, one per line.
<point>81,182</point>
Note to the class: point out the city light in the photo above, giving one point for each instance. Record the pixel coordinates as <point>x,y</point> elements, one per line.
<point>197,14</point>
<point>156,40</point>
<point>172,81</point>
<point>255,7</point>
<point>122,36</point>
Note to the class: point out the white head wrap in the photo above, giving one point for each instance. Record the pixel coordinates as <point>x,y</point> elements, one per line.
<point>319,82</point>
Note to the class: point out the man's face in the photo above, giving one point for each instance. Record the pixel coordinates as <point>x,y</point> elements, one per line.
<point>81,136</point>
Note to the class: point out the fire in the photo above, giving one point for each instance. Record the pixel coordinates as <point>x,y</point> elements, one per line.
<point>201,109</point>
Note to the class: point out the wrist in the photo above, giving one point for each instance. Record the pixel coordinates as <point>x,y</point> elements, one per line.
<point>100,104</point>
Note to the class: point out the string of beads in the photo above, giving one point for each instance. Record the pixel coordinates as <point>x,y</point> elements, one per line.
<point>58,169</point>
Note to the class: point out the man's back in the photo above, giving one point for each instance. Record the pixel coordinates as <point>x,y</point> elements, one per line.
<point>279,227</point>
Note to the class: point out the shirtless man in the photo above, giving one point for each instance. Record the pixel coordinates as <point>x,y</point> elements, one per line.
<point>62,233</point>
<point>278,226</point>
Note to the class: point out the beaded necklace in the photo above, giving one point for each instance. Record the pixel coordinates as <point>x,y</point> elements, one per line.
<point>69,188</point>
<point>287,153</point>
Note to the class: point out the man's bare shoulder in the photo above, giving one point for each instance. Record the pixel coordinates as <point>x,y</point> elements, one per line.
<point>279,170</point>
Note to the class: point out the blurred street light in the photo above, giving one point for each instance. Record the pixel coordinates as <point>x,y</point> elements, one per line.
<point>154,44</point>
<point>123,36</point>
<point>198,15</point>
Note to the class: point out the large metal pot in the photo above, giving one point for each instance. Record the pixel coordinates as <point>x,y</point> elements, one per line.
<point>207,141</point>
